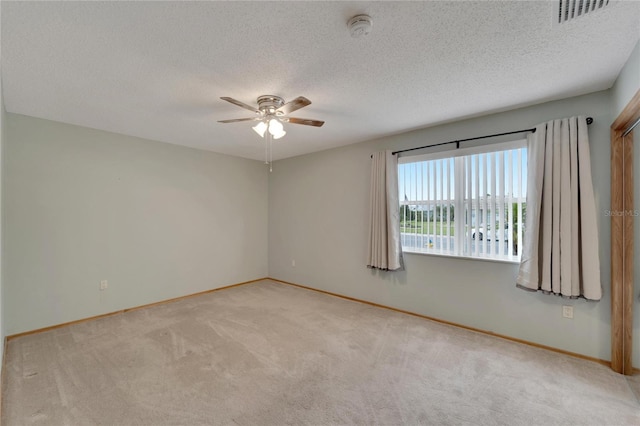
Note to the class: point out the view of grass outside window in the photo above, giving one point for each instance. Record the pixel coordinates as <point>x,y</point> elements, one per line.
<point>469,203</point>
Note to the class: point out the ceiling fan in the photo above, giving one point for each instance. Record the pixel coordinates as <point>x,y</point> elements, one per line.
<point>271,112</point>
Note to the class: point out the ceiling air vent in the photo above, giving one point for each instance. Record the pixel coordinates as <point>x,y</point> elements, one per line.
<point>568,10</point>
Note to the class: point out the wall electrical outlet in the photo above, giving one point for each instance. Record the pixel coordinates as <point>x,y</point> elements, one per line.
<point>293,263</point>
<point>104,284</point>
<point>567,311</point>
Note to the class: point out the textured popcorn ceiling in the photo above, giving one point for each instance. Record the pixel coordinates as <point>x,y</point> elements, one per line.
<point>157,70</point>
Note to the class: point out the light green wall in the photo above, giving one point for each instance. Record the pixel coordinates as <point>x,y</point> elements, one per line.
<point>318,216</point>
<point>2,142</point>
<point>156,220</point>
<point>627,83</point>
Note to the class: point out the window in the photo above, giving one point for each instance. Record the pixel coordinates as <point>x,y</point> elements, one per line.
<point>467,203</point>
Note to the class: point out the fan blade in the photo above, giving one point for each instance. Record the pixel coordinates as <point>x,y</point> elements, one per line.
<point>293,105</point>
<point>240,104</point>
<point>235,120</point>
<point>305,121</point>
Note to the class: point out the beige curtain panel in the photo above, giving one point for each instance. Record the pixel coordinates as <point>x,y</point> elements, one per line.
<point>560,248</point>
<point>385,250</point>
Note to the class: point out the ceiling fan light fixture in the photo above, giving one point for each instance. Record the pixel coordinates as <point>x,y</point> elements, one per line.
<point>260,128</point>
<point>276,128</point>
<point>278,135</point>
<point>271,112</point>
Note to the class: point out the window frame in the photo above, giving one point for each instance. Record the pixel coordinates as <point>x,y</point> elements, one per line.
<point>459,203</point>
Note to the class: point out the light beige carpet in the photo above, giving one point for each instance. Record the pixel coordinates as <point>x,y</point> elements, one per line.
<point>271,354</point>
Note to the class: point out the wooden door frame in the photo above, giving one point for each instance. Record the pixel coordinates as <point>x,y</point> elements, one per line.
<point>622,217</point>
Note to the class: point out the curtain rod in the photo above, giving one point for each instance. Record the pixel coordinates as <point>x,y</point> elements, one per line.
<point>457,142</point>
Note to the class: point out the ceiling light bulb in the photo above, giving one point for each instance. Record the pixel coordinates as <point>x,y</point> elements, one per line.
<point>260,128</point>
<point>279,135</point>
<point>275,127</point>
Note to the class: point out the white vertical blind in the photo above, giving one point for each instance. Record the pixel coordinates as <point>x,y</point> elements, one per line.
<point>502,231</point>
<point>469,205</point>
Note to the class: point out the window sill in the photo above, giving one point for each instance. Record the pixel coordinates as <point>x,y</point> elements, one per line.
<point>452,256</point>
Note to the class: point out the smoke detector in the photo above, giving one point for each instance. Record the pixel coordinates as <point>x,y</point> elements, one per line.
<point>360,25</point>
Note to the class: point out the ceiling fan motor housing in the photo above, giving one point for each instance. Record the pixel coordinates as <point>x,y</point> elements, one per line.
<point>268,104</point>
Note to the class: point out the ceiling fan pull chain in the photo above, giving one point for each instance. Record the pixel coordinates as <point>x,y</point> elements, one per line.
<point>266,151</point>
